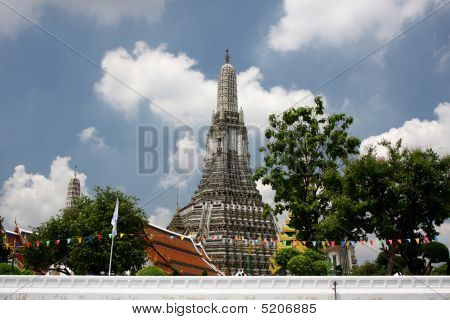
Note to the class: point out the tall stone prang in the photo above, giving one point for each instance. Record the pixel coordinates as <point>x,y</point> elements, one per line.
<point>73,190</point>
<point>226,211</point>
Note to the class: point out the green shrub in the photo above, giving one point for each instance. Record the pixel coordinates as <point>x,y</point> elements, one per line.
<point>309,263</point>
<point>6,268</point>
<point>151,271</point>
<point>283,256</point>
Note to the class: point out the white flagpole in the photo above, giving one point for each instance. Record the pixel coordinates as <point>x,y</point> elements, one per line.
<point>110,256</point>
<point>114,232</point>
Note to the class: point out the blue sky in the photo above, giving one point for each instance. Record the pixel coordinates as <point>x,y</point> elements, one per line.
<point>58,110</point>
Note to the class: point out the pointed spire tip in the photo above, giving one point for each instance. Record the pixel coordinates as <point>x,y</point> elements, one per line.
<point>227,56</point>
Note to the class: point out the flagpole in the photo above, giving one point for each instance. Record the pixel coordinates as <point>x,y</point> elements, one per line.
<point>113,232</point>
<point>110,256</point>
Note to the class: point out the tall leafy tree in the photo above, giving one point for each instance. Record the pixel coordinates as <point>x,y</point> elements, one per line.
<point>88,219</point>
<point>304,147</point>
<point>4,252</point>
<point>403,196</point>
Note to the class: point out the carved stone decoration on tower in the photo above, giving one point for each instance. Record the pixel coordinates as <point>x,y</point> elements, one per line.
<point>73,190</point>
<point>226,210</point>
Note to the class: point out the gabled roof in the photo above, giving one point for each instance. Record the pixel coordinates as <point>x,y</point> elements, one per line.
<point>168,250</point>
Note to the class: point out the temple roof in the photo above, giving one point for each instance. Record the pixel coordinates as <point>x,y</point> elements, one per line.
<point>169,250</point>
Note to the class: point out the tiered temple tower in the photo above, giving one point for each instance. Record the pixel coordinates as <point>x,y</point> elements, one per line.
<point>73,190</point>
<point>226,210</point>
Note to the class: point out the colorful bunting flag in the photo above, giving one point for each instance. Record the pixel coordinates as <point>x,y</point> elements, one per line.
<point>57,242</point>
<point>417,240</point>
<point>314,243</point>
<point>38,243</point>
<point>47,242</point>
<point>332,243</point>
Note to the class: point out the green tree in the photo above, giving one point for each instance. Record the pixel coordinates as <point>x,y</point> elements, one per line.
<point>369,269</point>
<point>434,252</point>
<point>304,147</point>
<point>87,219</point>
<point>4,252</point>
<point>151,271</point>
<point>402,196</point>
<point>283,256</point>
<point>309,263</point>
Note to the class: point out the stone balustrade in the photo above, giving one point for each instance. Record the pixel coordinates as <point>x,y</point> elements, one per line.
<point>270,288</point>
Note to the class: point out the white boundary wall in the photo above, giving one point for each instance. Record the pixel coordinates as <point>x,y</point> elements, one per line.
<point>228,288</point>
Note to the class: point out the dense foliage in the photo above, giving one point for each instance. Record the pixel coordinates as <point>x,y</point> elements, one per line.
<point>402,196</point>
<point>309,263</point>
<point>151,271</point>
<point>304,147</point>
<point>4,252</point>
<point>7,269</point>
<point>283,256</point>
<point>87,219</point>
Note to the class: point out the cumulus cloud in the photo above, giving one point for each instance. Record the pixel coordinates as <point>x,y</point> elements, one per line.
<point>335,23</point>
<point>104,12</point>
<point>183,163</point>
<point>172,82</point>
<point>417,133</point>
<point>89,136</point>
<point>32,198</point>
<point>161,217</point>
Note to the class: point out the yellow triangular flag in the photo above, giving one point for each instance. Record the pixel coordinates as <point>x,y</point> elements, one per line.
<point>122,234</point>
<point>182,237</point>
<point>417,240</point>
<point>79,239</point>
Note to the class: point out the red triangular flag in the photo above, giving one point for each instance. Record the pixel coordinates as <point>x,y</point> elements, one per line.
<point>99,237</point>
<point>57,242</point>
<point>27,244</point>
<point>371,242</point>
<point>38,243</point>
<point>304,243</point>
<point>399,241</point>
<point>390,241</point>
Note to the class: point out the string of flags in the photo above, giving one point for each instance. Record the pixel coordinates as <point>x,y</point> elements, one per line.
<point>236,239</point>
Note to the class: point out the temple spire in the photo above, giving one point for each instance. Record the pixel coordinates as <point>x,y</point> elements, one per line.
<point>227,88</point>
<point>227,56</point>
<point>73,190</point>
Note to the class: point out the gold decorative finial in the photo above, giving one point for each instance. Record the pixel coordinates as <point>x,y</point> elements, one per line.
<point>227,56</point>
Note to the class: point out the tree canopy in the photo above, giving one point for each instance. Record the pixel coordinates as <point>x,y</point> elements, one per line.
<point>309,263</point>
<point>304,146</point>
<point>87,219</point>
<point>402,196</point>
<point>4,252</point>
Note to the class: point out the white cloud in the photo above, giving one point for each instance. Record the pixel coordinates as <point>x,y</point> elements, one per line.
<point>161,217</point>
<point>267,192</point>
<point>336,23</point>
<point>89,136</point>
<point>104,12</point>
<point>417,133</point>
<point>186,160</point>
<point>171,81</point>
<point>442,57</point>
<point>33,198</point>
